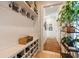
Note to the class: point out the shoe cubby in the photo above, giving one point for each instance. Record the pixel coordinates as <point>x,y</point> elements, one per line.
<point>19,55</point>
<point>28,51</point>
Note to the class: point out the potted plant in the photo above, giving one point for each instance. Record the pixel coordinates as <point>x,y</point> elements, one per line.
<point>68,15</point>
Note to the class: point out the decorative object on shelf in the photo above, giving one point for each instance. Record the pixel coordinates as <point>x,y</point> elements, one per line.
<point>14,6</point>
<point>22,11</point>
<point>28,14</point>
<point>68,29</point>
<point>10,5</point>
<point>19,9</point>
<point>25,39</point>
<point>32,17</point>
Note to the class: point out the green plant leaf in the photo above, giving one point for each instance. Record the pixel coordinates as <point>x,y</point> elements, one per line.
<point>69,12</point>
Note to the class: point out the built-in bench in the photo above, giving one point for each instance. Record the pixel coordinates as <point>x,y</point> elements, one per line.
<point>21,51</point>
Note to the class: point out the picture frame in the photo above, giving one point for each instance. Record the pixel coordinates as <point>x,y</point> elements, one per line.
<point>50,27</point>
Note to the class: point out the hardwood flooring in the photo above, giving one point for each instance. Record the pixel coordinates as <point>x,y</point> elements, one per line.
<point>47,54</point>
<point>51,50</point>
<point>51,47</point>
<point>51,44</point>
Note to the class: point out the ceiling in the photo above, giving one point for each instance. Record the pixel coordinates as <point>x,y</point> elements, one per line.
<point>47,3</point>
<point>50,10</point>
<point>50,6</point>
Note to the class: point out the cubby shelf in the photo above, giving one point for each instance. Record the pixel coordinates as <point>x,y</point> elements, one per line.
<point>21,51</point>
<point>30,52</point>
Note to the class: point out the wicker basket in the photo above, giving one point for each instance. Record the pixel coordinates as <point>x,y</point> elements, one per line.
<point>25,40</point>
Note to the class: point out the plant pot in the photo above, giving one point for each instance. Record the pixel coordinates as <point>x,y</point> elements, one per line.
<point>69,29</point>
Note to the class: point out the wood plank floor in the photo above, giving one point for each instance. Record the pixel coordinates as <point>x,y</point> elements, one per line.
<point>51,50</point>
<point>47,54</point>
<point>51,47</point>
<point>51,44</point>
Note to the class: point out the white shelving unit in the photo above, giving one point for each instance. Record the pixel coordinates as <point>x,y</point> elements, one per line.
<point>28,51</point>
<point>21,51</point>
<point>23,4</point>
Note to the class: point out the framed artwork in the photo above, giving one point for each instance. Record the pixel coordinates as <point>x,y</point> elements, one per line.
<point>45,26</point>
<point>28,14</point>
<point>50,27</point>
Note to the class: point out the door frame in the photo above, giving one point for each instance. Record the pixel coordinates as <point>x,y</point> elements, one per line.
<point>42,13</point>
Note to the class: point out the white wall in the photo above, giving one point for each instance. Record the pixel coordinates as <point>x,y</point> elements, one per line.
<point>55,33</point>
<point>12,26</point>
<point>50,18</point>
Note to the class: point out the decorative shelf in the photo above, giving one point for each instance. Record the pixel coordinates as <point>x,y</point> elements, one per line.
<point>69,32</point>
<point>23,4</point>
<point>73,32</point>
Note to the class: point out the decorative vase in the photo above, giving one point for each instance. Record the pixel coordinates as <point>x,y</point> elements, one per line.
<point>68,28</point>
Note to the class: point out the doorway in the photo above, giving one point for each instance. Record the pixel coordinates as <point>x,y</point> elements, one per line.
<point>50,27</point>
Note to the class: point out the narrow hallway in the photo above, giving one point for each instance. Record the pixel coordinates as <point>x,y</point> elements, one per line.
<point>51,44</point>
<point>51,49</point>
